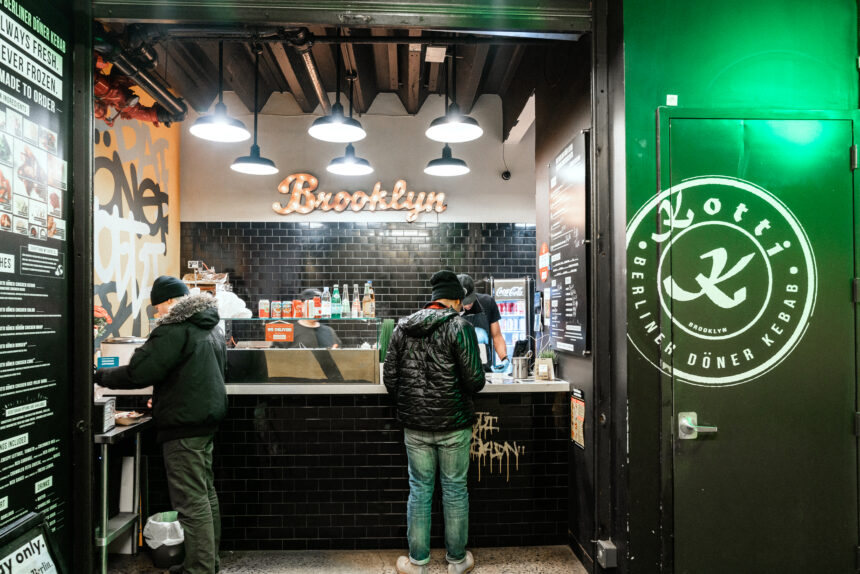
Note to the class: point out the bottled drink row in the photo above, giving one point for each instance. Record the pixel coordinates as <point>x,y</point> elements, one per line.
<point>329,305</point>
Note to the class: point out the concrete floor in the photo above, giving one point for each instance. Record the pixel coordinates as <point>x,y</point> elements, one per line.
<point>517,560</point>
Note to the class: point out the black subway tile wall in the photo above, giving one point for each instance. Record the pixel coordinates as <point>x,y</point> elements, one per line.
<point>277,260</point>
<point>329,472</point>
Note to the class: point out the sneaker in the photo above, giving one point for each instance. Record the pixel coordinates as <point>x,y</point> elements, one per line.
<point>462,567</point>
<point>405,566</point>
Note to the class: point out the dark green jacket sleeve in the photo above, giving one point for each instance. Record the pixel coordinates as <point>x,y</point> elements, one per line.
<point>468,357</point>
<point>149,364</point>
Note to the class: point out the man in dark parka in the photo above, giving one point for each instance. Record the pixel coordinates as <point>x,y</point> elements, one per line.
<point>184,359</point>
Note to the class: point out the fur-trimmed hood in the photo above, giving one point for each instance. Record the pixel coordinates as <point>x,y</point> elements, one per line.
<point>202,310</point>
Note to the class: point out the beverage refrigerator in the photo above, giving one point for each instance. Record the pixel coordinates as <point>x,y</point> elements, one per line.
<point>515,299</point>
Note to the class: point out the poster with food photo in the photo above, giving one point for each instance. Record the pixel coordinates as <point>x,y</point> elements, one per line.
<point>47,140</point>
<point>31,131</point>
<point>55,201</point>
<point>56,172</point>
<point>30,170</point>
<point>56,228</point>
<point>5,189</point>
<point>5,222</point>
<point>38,212</point>
<point>34,231</point>
<point>20,224</point>
<point>14,123</point>
<point>6,149</point>
<point>21,205</point>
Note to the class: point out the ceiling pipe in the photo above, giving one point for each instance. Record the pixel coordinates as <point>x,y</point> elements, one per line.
<point>303,48</point>
<point>299,36</point>
<point>175,107</point>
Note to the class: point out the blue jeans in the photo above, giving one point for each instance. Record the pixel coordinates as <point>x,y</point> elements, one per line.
<point>450,451</point>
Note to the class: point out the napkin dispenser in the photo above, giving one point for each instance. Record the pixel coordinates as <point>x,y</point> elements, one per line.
<point>104,410</point>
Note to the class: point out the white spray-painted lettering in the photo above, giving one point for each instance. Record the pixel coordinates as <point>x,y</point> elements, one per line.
<point>485,449</point>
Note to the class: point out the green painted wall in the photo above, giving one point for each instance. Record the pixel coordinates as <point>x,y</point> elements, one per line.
<point>730,54</point>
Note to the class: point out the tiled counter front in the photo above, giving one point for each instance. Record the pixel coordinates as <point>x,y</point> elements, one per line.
<point>329,471</point>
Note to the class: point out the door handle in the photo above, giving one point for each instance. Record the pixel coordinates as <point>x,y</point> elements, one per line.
<point>689,427</point>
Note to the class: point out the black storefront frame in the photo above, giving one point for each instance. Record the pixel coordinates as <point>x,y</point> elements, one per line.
<point>608,246</point>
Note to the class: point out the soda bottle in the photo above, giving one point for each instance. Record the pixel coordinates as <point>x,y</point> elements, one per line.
<point>366,302</point>
<point>344,304</point>
<point>335,304</point>
<point>356,302</point>
<point>326,304</point>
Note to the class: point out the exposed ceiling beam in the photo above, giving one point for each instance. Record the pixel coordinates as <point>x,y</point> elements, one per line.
<point>502,64</point>
<point>239,75</point>
<point>290,63</point>
<point>385,55</point>
<point>470,69</point>
<point>435,82</point>
<point>410,92</point>
<point>359,60</point>
<point>190,73</point>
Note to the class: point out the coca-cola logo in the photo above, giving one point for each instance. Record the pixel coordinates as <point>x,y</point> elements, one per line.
<point>515,291</point>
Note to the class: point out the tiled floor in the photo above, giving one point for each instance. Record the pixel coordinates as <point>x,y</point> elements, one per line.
<point>526,560</point>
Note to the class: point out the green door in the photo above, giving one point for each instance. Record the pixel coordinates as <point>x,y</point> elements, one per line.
<point>756,327</point>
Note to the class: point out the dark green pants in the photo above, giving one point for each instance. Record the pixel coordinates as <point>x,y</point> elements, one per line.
<point>190,481</point>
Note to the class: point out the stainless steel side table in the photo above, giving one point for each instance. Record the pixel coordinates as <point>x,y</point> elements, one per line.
<point>109,528</point>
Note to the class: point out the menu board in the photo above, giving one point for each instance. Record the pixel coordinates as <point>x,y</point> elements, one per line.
<point>568,193</point>
<point>35,96</point>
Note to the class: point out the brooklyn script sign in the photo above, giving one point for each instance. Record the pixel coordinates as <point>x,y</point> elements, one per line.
<point>304,198</point>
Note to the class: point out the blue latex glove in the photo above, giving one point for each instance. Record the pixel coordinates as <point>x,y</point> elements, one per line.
<point>483,337</point>
<point>503,367</point>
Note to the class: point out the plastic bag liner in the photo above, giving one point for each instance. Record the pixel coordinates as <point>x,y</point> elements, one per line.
<point>163,529</point>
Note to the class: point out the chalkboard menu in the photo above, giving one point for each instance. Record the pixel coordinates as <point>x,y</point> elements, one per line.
<point>35,112</point>
<point>568,194</point>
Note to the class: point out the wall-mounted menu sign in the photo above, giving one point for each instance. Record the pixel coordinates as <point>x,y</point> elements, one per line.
<point>35,79</point>
<point>301,187</point>
<point>568,193</point>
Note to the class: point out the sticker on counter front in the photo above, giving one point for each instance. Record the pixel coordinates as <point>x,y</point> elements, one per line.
<point>279,332</point>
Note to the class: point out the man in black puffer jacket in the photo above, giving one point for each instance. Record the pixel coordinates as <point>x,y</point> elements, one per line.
<point>432,369</point>
<point>184,360</point>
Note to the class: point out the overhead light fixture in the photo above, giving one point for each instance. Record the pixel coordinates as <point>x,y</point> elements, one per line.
<point>453,127</point>
<point>254,164</point>
<point>447,165</point>
<point>349,164</point>
<point>335,127</point>
<point>219,126</point>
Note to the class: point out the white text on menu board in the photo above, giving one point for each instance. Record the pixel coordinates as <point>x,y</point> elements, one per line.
<point>28,55</point>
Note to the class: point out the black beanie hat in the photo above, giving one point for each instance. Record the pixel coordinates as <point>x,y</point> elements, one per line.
<point>167,287</point>
<point>445,285</point>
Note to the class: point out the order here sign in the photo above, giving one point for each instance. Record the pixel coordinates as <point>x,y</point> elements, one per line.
<point>279,332</point>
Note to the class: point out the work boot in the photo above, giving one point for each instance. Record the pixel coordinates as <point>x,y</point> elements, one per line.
<point>405,566</point>
<point>462,567</point>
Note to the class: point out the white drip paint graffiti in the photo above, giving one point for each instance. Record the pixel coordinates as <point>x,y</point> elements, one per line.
<point>131,219</point>
<point>484,449</point>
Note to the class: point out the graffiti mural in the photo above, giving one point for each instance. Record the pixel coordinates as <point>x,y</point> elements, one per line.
<point>484,449</point>
<point>136,216</point>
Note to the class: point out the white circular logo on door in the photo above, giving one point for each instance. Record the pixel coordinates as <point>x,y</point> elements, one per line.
<point>722,286</point>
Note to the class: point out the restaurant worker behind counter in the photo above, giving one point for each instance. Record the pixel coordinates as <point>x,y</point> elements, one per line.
<point>482,312</point>
<point>311,334</point>
<point>184,360</point>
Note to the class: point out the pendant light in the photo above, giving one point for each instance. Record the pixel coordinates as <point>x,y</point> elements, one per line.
<point>447,165</point>
<point>335,127</point>
<point>254,164</point>
<point>348,163</point>
<point>219,126</point>
<point>453,127</point>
